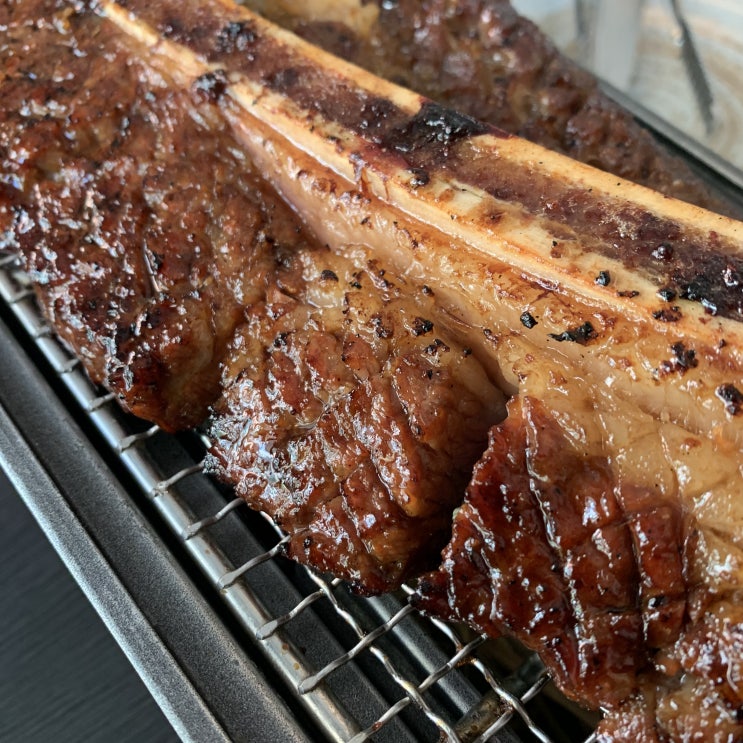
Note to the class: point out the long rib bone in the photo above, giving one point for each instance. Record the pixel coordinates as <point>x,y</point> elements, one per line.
<point>535,253</point>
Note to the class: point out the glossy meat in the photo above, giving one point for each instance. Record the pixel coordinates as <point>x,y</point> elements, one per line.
<point>612,311</point>
<point>506,574</point>
<point>143,227</point>
<point>600,539</point>
<point>352,415</point>
<point>150,238</point>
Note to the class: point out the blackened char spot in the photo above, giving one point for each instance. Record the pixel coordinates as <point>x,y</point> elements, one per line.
<point>582,334</point>
<point>683,359</point>
<point>685,356</point>
<point>421,326</point>
<point>433,129</point>
<point>328,275</point>
<point>436,347</point>
<point>668,314</point>
<point>603,279</point>
<point>732,397</point>
<point>210,86</point>
<point>235,36</point>
<point>527,320</point>
<point>380,328</point>
<point>715,281</point>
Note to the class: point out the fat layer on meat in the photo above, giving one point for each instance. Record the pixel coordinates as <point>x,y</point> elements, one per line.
<point>601,537</point>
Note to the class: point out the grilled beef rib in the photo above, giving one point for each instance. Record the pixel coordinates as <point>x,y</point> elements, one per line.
<point>355,350</point>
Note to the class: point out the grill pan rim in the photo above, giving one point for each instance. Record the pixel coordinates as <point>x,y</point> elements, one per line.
<point>127,572</point>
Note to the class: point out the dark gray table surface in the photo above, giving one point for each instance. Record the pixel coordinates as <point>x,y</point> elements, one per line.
<point>62,675</point>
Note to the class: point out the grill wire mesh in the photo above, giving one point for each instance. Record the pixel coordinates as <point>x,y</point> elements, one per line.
<point>363,668</point>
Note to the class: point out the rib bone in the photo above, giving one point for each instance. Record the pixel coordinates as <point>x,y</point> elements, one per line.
<point>641,292</point>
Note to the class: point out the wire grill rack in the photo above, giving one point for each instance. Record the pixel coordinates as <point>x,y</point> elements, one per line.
<point>361,668</point>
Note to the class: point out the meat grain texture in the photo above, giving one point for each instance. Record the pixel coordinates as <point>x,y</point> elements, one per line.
<point>340,396</point>
<point>352,415</point>
<point>143,269</point>
<point>338,410</point>
<point>591,532</point>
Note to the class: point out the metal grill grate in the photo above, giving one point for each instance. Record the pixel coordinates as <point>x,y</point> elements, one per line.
<point>363,669</point>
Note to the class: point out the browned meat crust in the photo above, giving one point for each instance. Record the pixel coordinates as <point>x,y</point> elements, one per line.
<point>542,548</point>
<point>143,228</point>
<point>484,59</point>
<point>351,415</point>
<point>597,575</point>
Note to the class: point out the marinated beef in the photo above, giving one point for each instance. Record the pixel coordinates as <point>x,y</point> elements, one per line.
<point>142,225</point>
<point>354,351</point>
<point>159,253</point>
<point>589,532</point>
<point>352,415</point>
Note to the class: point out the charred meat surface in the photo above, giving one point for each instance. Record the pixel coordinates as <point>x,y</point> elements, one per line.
<point>591,535</point>
<point>352,415</point>
<point>143,228</point>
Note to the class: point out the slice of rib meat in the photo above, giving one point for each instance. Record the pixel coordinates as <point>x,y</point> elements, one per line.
<point>542,549</point>
<point>352,415</point>
<point>143,227</point>
<point>594,535</point>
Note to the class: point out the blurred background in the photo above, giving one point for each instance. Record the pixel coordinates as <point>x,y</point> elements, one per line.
<point>682,59</point>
